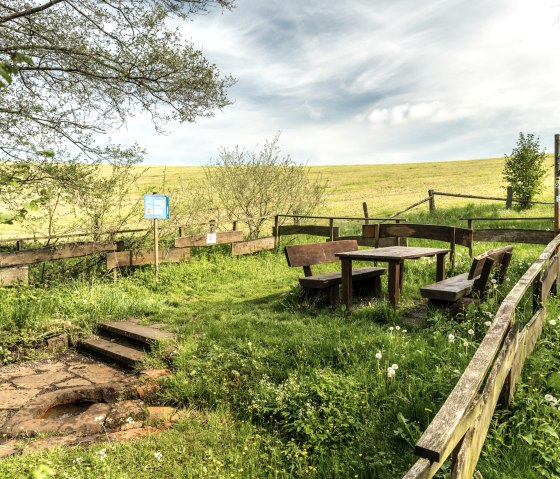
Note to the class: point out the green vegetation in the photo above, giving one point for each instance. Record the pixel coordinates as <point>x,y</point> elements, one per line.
<point>524,169</point>
<point>282,388</point>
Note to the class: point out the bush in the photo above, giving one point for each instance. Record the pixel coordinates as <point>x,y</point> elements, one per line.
<point>257,184</point>
<point>524,169</point>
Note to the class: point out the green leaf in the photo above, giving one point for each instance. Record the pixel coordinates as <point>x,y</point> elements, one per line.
<point>528,438</point>
<point>546,428</point>
<point>553,381</point>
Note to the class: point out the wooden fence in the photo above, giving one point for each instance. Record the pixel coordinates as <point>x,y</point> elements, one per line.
<point>461,425</point>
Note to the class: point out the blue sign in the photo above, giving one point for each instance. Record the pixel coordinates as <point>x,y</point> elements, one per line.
<point>156,207</point>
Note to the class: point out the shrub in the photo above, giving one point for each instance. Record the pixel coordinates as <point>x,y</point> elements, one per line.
<point>524,169</point>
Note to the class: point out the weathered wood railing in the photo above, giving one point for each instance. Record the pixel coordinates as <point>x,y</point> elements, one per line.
<point>461,425</point>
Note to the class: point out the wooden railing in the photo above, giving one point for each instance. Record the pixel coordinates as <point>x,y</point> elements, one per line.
<point>461,425</point>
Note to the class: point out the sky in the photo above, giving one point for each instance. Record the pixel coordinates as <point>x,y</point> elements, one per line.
<point>373,81</point>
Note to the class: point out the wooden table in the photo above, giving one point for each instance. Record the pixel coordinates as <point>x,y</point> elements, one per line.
<point>394,256</point>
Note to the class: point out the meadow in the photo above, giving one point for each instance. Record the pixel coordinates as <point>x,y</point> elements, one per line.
<point>281,387</point>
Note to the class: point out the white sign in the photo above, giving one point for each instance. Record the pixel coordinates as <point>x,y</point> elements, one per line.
<point>211,238</point>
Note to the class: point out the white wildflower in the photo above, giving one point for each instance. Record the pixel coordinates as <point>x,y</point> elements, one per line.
<point>378,355</point>
<point>404,331</point>
<point>395,366</point>
<point>549,398</point>
<point>391,328</point>
<point>470,332</point>
<point>158,455</point>
<point>466,344</point>
<point>451,338</point>
<point>129,420</point>
<point>397,328</point>
<point>552,322</point>
<point>493,280</point>
<point>487,323</point>
<point>390,372</point>
<point>102,454</point>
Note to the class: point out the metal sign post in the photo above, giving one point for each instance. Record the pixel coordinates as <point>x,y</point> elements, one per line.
<point>156,207</point>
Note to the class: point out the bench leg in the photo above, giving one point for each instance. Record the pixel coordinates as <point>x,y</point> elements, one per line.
<point>333,294</point>
<point>394,282</point>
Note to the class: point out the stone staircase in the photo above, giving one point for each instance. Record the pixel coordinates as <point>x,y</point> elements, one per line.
<point>123,342</point>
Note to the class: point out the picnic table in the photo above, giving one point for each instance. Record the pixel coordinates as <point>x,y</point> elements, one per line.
<point>394,256</point>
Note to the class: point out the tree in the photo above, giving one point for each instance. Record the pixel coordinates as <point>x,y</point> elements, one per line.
<point>524,169</point>
<point>252,185</point>
<point>74,71</point>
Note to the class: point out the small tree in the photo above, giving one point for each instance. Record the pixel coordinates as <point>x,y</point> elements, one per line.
<point>524,169</point>
<point>254,184</point>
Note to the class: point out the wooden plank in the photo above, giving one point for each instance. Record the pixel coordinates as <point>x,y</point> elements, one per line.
<point>369,241</point>
<point>463,236</point>
<point>222,237</point>
<point>422,469</point>
<point>469,451</point>
<point>514,236</point>
<point>9,276</point>
<point>146,256</point>
<point>252,246</point>
<point>450,289</point>
<point>51,253</point>
<point>311,230</point>
<point>457,414</point>
<point>317,253</point>
<point>549,276</point>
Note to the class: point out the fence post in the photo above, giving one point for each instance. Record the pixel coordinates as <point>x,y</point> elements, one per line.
<point>276,230</point>
<point>19,245</point>
<point>234,225</point>
<point>180,231</point>
<point>509,199</point>
<point>331,226</point>
<point>432,200</point>
<point>366,214</point>
<point>537,294</point>
<point>212,226</point>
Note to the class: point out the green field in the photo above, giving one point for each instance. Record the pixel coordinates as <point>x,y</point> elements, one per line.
<point>283,387</point>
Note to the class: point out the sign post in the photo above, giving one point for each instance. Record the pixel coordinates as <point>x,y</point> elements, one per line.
<point>156,207</point>
<point>556,184</point>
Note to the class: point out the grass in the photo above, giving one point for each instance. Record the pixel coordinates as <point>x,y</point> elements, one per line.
<point>282,388</point>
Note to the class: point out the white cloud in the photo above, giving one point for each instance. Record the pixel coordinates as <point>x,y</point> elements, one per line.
<point>346,82</point>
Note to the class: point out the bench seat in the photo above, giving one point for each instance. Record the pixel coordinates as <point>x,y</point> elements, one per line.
<point>327,280</point>
<point>450,289</point>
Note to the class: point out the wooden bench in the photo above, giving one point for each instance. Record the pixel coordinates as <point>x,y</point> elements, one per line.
<point>472,284</point>
<point>327,285</point>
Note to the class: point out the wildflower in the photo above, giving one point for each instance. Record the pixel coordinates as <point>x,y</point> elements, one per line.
<point>390,372</point>
<point>470,332</point>
<point>158,455</point>
<point>549,398</point>
<point>493,280</point>
<point>129,420</point>
<point>487,323</point>
<point>102,454</point>
<point>391,328</point>
<point>397,328</point>
<point>395,366</point>
<point>451,338</point>
<point>466,344</point>
<point>552,322</point>
<point>489,314</point>
<point>378,355</point>
<point>404,331</point>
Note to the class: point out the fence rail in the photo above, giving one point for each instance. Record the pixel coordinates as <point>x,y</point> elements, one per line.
<point>460,427</point>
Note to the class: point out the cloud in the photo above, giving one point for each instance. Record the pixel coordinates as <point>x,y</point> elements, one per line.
<point>347,81</point>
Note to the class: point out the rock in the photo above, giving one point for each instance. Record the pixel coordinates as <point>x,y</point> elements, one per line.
<point>13,398</point>
<point>154,374</point>
<point>58,344</point>
<point>126,415</point>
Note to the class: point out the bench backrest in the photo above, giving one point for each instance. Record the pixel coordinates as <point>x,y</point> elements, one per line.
<point>484,263</point>
<point>450,234</point>
<point>307,255</point>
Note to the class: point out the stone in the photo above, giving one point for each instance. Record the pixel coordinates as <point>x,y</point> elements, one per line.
<point>147,391</point>
<point>41,380</point>
<point>126,415</point>
<point>9,448</point>
<point>161,414</point>
<point>58,344</point>
<point>154,374</point>
<point>75,382</point>
<point>98,373</point>
<point>13,398</point>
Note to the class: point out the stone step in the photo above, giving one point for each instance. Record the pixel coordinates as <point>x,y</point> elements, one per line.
<point>112,350</point>
<point>134,331</point>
